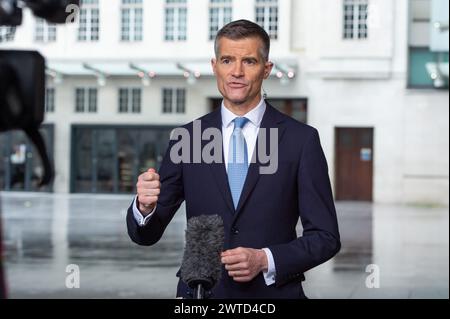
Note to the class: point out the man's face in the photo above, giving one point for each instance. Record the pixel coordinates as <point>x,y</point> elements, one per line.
<point>240,70</point>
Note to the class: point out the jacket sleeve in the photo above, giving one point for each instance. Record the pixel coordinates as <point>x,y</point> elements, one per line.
<point>170,199</point>
<point>320,240</point>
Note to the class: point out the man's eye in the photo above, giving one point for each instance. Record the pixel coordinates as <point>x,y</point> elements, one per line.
<point>226,61</point>
<point>251,62</point>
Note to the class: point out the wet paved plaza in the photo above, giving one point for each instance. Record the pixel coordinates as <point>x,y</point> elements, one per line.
<point>44,233</point>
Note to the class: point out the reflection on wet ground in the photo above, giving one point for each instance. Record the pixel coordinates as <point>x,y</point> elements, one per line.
<point>409,246</point>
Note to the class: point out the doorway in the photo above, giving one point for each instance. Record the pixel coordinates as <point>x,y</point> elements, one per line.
<point>354,164</point>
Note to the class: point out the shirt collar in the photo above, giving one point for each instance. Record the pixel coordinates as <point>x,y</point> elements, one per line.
<point>255,115</point>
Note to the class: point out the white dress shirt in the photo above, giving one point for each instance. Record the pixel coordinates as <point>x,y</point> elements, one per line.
<point>250,132</point>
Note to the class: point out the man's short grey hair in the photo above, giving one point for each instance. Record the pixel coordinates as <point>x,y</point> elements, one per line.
<point>243,29</point>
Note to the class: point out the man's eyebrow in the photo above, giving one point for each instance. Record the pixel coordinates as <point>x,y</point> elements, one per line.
<point>229,57</point>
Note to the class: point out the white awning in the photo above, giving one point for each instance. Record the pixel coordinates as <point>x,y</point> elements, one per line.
<point>69,68</point>
<point>149,68</point>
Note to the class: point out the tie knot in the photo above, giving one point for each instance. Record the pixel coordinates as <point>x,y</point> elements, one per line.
<point>239,122</point>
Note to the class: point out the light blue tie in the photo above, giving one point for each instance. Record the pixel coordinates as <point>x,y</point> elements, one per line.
<point>237,160</point>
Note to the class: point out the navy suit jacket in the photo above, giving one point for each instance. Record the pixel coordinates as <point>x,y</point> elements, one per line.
<point>268,210</point>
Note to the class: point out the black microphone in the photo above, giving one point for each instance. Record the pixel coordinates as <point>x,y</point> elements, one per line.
<point>201,267</point>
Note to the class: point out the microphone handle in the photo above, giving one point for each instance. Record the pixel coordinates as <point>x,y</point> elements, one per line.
<point>199,292</point>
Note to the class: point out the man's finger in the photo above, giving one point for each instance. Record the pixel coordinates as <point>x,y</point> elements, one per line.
<point>237,266</point>
<point>149,185</point>
<point>233,251</point>
<point>150,192</point>
<point>148,177</point>
<point>233,259</point>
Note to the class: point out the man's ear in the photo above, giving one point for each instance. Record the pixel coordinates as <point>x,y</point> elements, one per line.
<point>213,64</point>
<point>267,69</point>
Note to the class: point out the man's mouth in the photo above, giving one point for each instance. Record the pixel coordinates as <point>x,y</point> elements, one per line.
<point>236,85</point>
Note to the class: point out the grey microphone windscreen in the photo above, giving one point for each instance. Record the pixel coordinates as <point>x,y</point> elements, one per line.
<point>204,243</point>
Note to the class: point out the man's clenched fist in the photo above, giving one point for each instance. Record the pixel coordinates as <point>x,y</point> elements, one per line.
<point>148,189</point>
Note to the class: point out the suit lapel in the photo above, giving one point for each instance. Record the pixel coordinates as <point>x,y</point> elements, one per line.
<point>218,169</point>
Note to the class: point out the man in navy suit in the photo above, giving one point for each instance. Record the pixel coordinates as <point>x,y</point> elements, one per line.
<point>263,256</point>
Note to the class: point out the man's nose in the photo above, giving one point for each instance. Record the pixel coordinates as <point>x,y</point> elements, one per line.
<point>238,70</point>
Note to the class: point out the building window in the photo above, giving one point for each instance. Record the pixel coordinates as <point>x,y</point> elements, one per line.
<point>50,100</point>
<point>109,160</point>
<point>89,25</point>
<point>267,16</point>
<point>181,100</point>
<point>174,100</point>
<point>355,19</point>
<point>44,32</point>
<point>7,34</point>
<point>132,15</point>
<point>19,170</point>
<point>86,100</point>
<point>130,100</point>
<point>220,13</point>
<point>424,70</point>
<point>176,20</point>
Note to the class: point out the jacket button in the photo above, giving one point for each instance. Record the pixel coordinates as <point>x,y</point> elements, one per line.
<point>235,231</point>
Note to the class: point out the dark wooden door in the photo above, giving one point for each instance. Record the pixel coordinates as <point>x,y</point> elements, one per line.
<point>354,164</point>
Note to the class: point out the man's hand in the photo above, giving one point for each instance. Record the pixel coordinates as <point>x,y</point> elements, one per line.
<point>244,264</point>
<point>148,189</point>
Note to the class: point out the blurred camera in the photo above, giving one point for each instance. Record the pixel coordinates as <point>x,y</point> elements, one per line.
<point>22,74</point>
